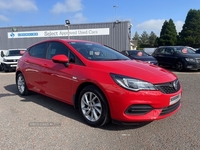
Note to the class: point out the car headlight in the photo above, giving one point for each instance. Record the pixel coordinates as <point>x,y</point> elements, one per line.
<point>4,60</point>
<point>190,59</point>
<point>148,61</point>
<point>132,84</point>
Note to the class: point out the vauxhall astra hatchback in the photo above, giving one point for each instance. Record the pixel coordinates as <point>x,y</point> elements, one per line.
<point>101,83</point>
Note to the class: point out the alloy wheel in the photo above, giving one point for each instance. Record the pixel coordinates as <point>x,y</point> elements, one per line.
<point>91,106</point>
<point>21,84</point>
<point>179,66</point>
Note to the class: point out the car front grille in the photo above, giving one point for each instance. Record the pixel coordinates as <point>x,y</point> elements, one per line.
<point>12,60</point>
<point>170,109</point>
<point>169,88</point>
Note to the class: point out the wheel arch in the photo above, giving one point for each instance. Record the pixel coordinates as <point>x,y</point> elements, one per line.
<point>81,87</point>
<point>181,60</point>
<point>16,74</point>
<point>105,116</point>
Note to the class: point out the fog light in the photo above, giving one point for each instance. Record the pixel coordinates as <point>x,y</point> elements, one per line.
<point>189,67</point>
<point>138,109</point>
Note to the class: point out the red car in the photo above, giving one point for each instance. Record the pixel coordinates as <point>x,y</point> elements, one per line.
<point>102,83</point>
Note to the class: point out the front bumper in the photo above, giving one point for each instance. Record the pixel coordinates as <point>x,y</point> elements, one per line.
<point>156,105</point>
<point>192,66</point>
<point>9,66</point>
<point>168,111</point>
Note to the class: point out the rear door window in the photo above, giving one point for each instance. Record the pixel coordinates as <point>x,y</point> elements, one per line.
<point>160,51</point>
<point>38,50</point>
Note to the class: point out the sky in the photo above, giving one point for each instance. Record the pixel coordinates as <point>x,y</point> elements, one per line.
<point>144,15</point>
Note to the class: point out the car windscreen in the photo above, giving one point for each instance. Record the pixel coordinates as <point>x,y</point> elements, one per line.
<point>95,51</point>
<point>15,53</point>
<point>137,53</point>
<point>184,50</point>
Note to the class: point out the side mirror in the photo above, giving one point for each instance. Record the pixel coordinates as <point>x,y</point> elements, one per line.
<point>63,59</point>
<point>2,54</point>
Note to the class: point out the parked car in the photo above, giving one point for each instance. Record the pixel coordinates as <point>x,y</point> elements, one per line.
<point>149,50</point>
<point>9,59</point>
<point>99,81</point>
<point>1,58</point>
<point>140,55</point>
<point>198,51</point>
<point>180,57</point>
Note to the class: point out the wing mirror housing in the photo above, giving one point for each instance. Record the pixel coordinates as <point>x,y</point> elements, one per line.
<point>2,54</point>
<point>63,59</point>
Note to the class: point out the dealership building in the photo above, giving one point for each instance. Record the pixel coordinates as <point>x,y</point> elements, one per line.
<point>113,34</point>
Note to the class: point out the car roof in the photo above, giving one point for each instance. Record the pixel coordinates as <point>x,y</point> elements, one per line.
<point>17,49</point>
<point>177,46</point>
<point>61,40</point>
<point>134,50</point>
<point>173,46</point>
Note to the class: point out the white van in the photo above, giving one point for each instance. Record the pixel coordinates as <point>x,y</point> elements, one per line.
<point>9,59</point>
<point>1,58</point>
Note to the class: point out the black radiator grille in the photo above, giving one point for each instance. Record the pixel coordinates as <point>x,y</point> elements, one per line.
<point>170,87</point>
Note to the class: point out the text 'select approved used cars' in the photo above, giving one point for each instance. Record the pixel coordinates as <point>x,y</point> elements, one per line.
<point>99,81</point>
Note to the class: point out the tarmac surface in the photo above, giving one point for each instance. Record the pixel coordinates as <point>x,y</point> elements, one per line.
<point>36,122</point>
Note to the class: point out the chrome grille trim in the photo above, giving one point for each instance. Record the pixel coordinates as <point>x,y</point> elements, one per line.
<point>170,87</point>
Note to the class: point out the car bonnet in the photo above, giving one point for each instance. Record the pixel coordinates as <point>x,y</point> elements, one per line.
<point>135,69</point>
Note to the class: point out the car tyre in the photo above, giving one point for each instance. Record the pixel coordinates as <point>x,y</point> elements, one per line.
<point>21,85</point>
<point>4,68</point>
<point>1,68</point>
<point>93,106</point>
<point>179,66</point>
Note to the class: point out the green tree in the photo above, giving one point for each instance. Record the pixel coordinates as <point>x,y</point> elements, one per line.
<point>168,34</point>
<point>144,38</point>
<point>156,42</point>
<point>190,34</point>
<point>136,36</point>
<point>152,39</point>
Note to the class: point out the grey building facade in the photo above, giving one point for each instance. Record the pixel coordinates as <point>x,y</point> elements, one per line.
<point>113,34</point>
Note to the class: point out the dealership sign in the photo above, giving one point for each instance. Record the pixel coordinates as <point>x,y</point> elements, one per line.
<point>59,33</point>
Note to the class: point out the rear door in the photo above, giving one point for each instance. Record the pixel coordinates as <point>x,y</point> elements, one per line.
<point>170,56</point>
<point>34,66</point>
<point>159,54</point>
